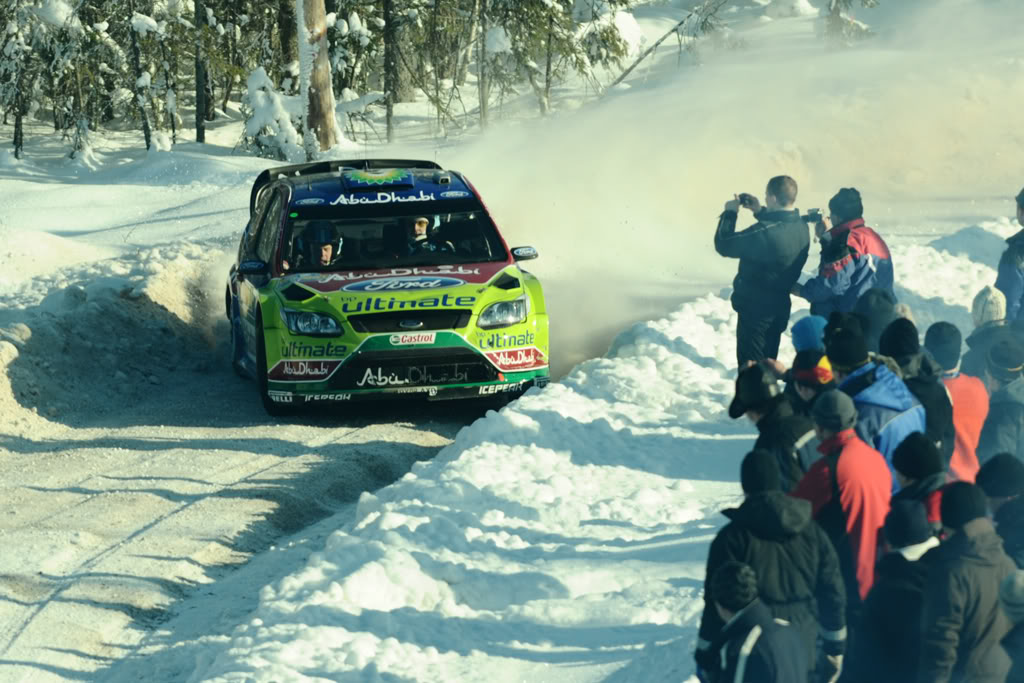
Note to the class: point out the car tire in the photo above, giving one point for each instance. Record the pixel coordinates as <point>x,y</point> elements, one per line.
<point>273,409</point>
<point>237,349</point>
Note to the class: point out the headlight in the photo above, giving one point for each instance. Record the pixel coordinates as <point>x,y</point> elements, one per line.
<point>504,313</point>
<point>313,324</point>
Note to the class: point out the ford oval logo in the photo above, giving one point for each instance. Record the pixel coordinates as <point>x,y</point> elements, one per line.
<point>403,284</point>
<point>411,324</point>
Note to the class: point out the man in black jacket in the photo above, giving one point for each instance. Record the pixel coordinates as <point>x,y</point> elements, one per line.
<point>884,644</point>
<point>1002,480</point>
<point>1003,431</point>
<point>923,376</point>
<point>922,476</point>
<point>798,572</point>
<point>963,622</point>
<point>788,436</point>
<point>772,252</point>
<point>754,647</point>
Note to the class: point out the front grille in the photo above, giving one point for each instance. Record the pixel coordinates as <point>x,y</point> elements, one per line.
<point>392,320</point>
<point>414,367</point>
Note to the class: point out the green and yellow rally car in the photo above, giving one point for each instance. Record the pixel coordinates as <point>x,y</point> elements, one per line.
<point>370,278</point>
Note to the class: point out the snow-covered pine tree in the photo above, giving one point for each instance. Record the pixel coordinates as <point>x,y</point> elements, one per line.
<point>320,130</point>
<point>18,66</point>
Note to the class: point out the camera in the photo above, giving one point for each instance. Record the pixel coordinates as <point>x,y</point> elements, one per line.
<point>812,216</point>
<point>746,199</point>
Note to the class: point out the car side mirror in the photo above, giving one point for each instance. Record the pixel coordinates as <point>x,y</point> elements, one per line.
<point>524,253</point>
<point>253,268</point>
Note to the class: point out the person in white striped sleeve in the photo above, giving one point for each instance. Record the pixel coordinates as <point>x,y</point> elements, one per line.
<point>754,647</point>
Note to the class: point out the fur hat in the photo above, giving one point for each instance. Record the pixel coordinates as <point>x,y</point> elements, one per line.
<point>1005,361</point>
<point>734,585</point>
<point>988,306</point>
<point>1011,596</point>
<point>944,341</point>
<point>900,338</point>
<point>809,333</point>
<point>962,502</point>
<point>833,410</point>
<point>755,387</point>
<point>760,472</point>
<point>917,457</point>
<point>1002,476</point>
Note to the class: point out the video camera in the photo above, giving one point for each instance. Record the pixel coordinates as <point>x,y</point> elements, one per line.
<point>812,216</point>
<point>746,199</point>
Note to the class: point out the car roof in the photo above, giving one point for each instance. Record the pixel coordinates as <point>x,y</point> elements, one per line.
<point>366,182</point>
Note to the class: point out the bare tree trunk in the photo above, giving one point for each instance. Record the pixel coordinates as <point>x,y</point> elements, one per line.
<point>321,132</point>
<point>20,102</point>
<point>467,51</point>
<point>289,31</point>
<point>482,66</point>
<point>550,49</point>
<point>200,74</point>
<point>390,68</point>
<point>137,65</point>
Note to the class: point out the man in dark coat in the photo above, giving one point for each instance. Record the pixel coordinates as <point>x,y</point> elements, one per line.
<point>877,307</point>
<point>1010,277</point>
<point>772,252</point>
<point>923,376</point>
<point>754,647</point>
<point>988,311</point>
<point>922,476</point>
<point>797,568</point>
<point>1002,480</point>
<point>1003,431</point>
<point>788,436</point>
<point>1011,596</point>
<point>884,644</point>
<point>963,622</point>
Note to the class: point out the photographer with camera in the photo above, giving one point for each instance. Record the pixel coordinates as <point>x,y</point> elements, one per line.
<point>854,258</point>
<point>772,253</point>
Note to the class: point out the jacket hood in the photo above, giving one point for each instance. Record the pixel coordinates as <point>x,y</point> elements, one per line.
<point>1011,393</point>
<point>887,391</point>
<point>919,364</point>
<point>976,541</point>
<point>986,332</point>
<point>772,515</point>
<point>891,363</point>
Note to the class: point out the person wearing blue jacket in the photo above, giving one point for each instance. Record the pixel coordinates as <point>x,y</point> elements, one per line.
<point>1010,279</point>
<point>854,258</point>
<point>887,412</point>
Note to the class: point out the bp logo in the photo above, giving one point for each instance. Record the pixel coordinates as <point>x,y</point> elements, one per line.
<point>404,284</point>
<point>388,176</point>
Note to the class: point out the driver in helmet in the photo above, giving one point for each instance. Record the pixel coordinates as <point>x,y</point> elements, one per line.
<point>319,247</point>
<point>422,237</point>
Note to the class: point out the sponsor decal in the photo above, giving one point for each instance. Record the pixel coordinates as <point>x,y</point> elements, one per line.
<point>524,253</point>
<point>280,396</point>
<point>430,391</point>
<point>501,388</point>
<point>410,339</point>
<point>517,359</point>
<point>454,194</point>
<point>382,198</point>
<point>299,370</point>
<point>387,176</point>
<point>417,375</point>
<point>296,349</point>
<point>328,397</point>
<point>506,341</point>
<point>403,284</point>
<point>399,272</point>
<point>392,304</point>
<point>309,201</point>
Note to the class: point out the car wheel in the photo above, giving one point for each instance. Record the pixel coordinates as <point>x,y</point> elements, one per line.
<point>237,350</point>
<point>273,408</point>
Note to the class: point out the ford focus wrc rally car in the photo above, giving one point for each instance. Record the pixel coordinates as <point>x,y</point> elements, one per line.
<point>370,278</point>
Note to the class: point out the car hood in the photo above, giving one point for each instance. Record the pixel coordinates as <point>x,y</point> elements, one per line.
<point>404,279</point>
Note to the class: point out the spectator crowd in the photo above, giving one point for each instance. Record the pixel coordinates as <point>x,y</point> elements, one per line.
<point>881,534</point>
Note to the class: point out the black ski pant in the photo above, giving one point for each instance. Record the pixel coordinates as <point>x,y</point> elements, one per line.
<point>758,333</point>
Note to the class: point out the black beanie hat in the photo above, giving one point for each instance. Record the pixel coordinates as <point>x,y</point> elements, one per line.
<point>962,502</point>
<point>900,338</point>
<point>846,205</point>
<point>917,457</point>
<point>755,387</point>
<point>943,340</point>
<point>1005,361</point>
<point>1002,476</point>
<point>907,523</point>
<point>842,321</point>
<point>760,472</point>
<point>734,585</point>
<point>847,349</point>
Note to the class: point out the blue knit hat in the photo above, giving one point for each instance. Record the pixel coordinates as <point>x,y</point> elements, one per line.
<point>809,333</point>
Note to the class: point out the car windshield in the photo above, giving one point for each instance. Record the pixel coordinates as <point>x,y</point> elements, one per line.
<point>318,243</point>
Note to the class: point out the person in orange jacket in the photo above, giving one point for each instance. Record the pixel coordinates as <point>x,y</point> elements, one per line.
<point>968,394</point>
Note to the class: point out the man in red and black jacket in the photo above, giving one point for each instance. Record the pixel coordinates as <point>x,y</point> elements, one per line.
<point>854,258</point>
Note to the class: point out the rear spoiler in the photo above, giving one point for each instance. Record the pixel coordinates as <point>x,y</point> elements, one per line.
<point>331,166</point>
